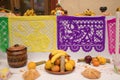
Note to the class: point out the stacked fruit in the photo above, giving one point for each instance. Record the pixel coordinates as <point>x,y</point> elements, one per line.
<point>59,61</point>
<point>30,12</point>
<point>96,61</point>
<point>99,60</point>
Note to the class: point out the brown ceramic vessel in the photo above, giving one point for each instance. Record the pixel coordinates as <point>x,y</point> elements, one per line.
<point>17,56</point>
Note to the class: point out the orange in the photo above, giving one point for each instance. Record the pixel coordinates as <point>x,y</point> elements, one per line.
<point>96,63</point>
<point>31,65</point>
<point>55,68</point>
<point>57,62</point>
<point>94,60</point>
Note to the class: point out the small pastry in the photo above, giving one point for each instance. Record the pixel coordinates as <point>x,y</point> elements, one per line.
<point>91,73</point>
<point>31,74</point>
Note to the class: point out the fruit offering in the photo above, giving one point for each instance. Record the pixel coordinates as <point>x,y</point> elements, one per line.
<point>30,12</point>
<point>59,61</point>
<point>88,12</point>
<point>96,61</point>
<point>88,59</point>
<point>33,65</point>
<point>4,10</point>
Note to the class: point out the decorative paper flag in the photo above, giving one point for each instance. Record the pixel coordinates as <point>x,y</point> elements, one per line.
<point>117,32</point>
<point>85,32</point>
<point>111,26</point>
<point>37,33</point>
<point>3,34</point>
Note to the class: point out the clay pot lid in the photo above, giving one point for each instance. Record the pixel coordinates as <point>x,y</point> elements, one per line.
<point>16,47</point>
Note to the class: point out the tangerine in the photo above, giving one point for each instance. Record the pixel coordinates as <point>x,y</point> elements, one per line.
<point>31,65</point>
<point>55,68</point>
<point>94,60</point>
<point>57,62</point>
<point>96,63</point>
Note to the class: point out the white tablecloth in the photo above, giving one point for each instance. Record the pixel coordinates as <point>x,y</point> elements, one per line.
<point>107,70</point>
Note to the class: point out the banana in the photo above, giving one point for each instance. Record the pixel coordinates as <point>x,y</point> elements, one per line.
<point>57,56</point>
<point>29,12</point>
<point>54,52</point>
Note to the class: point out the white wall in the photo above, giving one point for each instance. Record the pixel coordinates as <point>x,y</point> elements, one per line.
<point>78,6</point>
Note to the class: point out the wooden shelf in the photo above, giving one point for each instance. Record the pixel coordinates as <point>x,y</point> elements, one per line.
<point>41,7</point>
